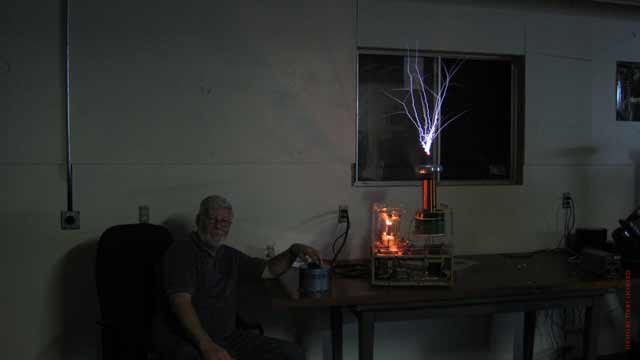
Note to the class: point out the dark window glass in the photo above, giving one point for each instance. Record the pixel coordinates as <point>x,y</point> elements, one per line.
<point>476,147</point>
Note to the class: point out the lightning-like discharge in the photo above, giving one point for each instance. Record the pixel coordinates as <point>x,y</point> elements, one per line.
<point>428,122</point>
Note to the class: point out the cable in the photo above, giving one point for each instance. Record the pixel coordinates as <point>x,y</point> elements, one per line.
<point>568,229</point>
<point>358,271</point>
<point>563,323</point>
<point>524,255</point>
<point>344,241</point>
<point>347,270</point>
<point>563,235</point>
<point>333,247</point>
<point>573,215</point>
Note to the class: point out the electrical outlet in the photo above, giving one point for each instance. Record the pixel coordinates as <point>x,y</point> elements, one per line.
<point>343,213</point>
<point>70,220</point>
<point>143,214</point>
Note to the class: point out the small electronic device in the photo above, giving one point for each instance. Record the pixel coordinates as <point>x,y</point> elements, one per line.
<point>594,237</point>
<point>627,238</point>
<point>600,262</point>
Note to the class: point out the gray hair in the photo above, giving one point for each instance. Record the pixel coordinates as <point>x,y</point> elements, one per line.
<point>212,202</point>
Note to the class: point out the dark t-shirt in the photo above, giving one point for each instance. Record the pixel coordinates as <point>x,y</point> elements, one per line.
<point>212,280</point>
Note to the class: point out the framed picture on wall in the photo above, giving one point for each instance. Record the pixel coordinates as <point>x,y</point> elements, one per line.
<point>627,91</point>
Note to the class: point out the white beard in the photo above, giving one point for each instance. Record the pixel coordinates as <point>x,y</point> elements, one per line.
<point>208,241</point>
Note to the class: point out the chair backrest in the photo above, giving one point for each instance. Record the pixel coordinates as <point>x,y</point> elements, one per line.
<point>126,263</point>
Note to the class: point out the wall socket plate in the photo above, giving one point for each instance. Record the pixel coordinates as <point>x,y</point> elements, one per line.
<point>343,213</point>
<point>69,220</point>
<point>566,200</point>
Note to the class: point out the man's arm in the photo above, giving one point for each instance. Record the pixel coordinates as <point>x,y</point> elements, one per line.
<point>186,314</point>
<point>280,263</point>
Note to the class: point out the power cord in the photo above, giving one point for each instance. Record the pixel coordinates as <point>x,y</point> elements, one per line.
<point>569,221</point>
<point>353,270</point>
<point>344,236</point>
<point>357,271</point>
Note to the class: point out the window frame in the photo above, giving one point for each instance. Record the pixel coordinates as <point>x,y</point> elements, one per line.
<point>517,89</point>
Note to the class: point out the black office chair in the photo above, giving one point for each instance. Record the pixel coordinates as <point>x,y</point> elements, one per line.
<point>127,261</point>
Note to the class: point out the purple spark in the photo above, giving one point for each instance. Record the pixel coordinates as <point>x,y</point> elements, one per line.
<point>427,122</point>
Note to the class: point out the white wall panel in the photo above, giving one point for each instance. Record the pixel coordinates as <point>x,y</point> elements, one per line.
<point>558,113</point>
<point>407,23</point>
<point>559,35</point>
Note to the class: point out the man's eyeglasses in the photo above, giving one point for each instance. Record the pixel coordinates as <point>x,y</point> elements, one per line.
<point>225,223</point>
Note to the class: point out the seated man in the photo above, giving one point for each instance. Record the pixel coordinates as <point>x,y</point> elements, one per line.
<point>200,279</point>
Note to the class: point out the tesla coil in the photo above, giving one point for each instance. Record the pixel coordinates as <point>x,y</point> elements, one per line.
<point>422,254</point>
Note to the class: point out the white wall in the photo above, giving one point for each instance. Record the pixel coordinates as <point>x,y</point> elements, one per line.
<point>257,102</point>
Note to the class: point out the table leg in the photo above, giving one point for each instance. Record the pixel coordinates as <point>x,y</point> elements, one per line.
<point>591,326</point>
<point>336,332</point>
<point>524,337</point>
<point>365,335</point>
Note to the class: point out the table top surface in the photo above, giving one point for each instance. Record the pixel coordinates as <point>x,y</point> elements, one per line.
<point>526,275</point>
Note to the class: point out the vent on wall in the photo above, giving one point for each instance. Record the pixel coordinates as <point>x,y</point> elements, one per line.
<point>620,2</point>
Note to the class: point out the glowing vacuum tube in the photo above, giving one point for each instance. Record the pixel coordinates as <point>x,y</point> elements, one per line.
<point>386,237</point>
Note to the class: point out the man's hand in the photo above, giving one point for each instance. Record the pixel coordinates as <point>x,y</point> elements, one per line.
<point>186,313</point>
<point>213,351</point>
<point>280,263</point>
<point>306,253</point>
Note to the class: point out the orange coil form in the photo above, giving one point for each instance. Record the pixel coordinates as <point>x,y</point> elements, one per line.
<point>428,195</point>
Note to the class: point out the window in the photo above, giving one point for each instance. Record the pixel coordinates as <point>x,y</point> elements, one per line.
<point>482,145</point>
